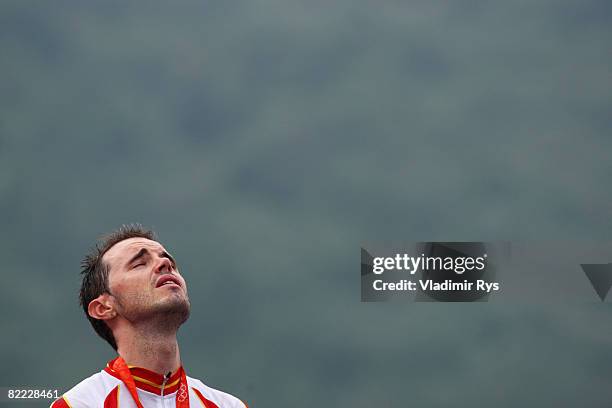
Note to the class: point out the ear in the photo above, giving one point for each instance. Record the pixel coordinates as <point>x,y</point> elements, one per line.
<point>102,308</point>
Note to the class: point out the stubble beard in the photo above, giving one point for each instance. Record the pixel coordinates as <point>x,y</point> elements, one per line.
<point>166,314</point>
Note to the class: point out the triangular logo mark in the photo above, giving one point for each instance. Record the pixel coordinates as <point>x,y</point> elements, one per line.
<point>366,262</point>
<point>600,276</point>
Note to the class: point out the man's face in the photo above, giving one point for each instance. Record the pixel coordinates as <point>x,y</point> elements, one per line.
<point>145,283</point>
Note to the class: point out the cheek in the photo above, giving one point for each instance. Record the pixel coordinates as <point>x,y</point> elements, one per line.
<point>128,286</point>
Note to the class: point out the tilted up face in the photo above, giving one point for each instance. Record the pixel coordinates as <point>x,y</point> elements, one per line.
<point>145,282</point>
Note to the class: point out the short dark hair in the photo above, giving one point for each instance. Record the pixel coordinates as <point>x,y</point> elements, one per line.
<point>95,273</point>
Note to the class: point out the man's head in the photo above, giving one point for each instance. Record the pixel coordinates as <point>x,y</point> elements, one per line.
<point>130,278</point>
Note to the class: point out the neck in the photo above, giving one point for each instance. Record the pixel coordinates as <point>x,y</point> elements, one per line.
<point>146,348</point>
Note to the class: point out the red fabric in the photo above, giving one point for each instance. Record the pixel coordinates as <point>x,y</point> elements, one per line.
<point>207,403</point>
<point>149,376</point>
<point>122,370</point>
<point>60,403</point>
<point>112,399</point>
<point>119,369</point>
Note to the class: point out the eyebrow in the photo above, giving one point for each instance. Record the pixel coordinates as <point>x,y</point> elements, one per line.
<point>145,251</point>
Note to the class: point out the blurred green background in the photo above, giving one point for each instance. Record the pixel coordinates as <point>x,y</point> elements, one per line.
<point>265,141</point>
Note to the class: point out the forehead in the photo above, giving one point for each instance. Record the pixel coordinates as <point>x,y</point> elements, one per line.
<point>123,250</point>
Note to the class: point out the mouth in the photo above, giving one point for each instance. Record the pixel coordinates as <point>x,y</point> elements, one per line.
<point>167,280</point>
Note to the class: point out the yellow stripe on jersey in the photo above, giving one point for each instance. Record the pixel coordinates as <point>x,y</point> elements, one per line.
<point>172,384</point>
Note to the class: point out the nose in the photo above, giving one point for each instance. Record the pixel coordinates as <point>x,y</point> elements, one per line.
<point>164,266</point>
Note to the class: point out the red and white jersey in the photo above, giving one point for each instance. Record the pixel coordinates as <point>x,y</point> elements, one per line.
<point>106,390</point>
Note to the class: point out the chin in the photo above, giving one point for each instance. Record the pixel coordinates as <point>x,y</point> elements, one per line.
<point>174,306</point>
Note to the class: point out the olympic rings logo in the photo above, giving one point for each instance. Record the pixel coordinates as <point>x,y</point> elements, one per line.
<point>182,393</point>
